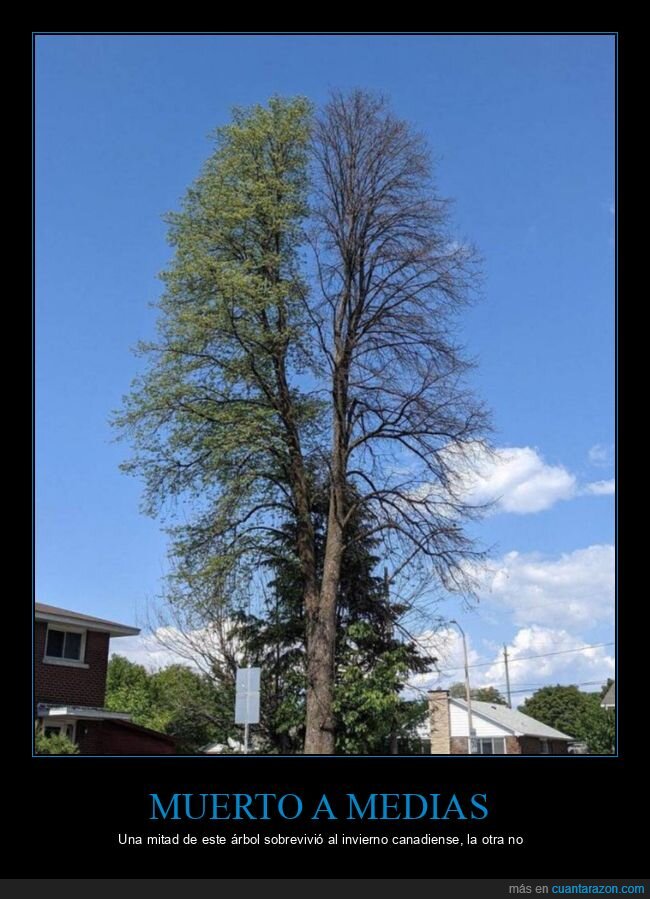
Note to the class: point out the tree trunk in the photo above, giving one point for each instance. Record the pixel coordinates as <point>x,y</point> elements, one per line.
<point>320,618</point>
<point>321,640</point>
<point>320,731</point>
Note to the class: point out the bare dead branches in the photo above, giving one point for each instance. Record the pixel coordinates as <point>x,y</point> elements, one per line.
<point>393,281</point>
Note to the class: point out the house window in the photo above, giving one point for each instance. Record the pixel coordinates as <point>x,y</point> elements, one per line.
<point>64,645</point>
<point>66,730</point>
<point>489,746</point>
<point>544,747</point>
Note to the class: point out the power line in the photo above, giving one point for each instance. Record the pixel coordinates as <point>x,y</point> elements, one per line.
<point>584,683</point>
<point>541,655</point>
<point>587,683</point>
<point>524,686</point>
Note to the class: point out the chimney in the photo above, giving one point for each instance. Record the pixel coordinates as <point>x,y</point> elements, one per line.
<point>439,718</point>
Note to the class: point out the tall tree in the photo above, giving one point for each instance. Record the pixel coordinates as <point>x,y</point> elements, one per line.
<point>222,416</point>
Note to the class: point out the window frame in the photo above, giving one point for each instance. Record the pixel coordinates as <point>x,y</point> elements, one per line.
<point>476,743</point>
<point>63,660</point>
<point>62,728</point>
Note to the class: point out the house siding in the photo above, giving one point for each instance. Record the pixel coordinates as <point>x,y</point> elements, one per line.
<point>71,685</point>
<point>481,726</point>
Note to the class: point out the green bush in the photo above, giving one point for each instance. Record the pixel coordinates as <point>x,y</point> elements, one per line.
<point>55,744</point>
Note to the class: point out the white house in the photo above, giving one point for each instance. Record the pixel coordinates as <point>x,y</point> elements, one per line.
<point>496,729</point>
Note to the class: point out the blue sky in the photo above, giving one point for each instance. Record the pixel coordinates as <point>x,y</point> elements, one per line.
<point>523,130</point>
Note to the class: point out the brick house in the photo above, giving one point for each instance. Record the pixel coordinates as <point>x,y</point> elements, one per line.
<point>497,729</point>
<point>70,664</point>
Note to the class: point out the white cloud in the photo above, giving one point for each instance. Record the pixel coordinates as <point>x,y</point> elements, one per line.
<point>537,656</point>
<point>148,650</point>
<point>553,602</point>
<point>573,589</point>
<point>601,488</point>
<point>446,646</point>
<point>545,655</point>
<point>518,480</point>
<point>166,645</point>
<point>600,455</point>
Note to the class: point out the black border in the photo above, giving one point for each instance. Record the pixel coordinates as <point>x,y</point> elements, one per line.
<point>552,805</point>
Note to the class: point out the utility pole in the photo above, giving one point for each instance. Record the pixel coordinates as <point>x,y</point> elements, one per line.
<point>468,691</point>
<point>505,660</point>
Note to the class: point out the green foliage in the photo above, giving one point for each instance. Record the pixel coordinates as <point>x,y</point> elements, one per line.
<point>598,726</point>
<point>372,664</point>
<point>368,705</point>
<point>480,694</point>
<point>574,713</point>
<point>233,410</point>
<point>175,700</point>
<point>205,418</point>
<point>128,689</point>
<point>196,712</point>
<point>216,417</point>
<point>560,707</point>
<point>55,744</point>
<point>274,641</point>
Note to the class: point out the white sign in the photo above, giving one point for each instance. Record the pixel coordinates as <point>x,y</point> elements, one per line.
<point>247,696</point>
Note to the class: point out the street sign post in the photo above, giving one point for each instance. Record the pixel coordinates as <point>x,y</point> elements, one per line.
<point>247,699</point>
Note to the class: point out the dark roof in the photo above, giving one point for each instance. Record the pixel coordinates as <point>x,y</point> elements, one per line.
<point>138,728</point>
<point>609,699</point>
<point>54,613</point>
